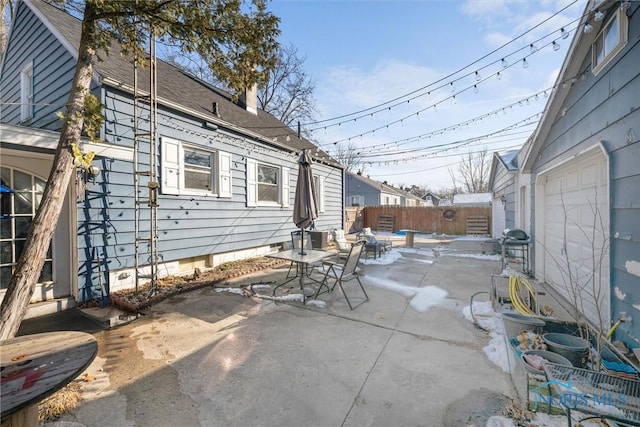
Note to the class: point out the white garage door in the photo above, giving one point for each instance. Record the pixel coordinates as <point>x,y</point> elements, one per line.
<point>575,244</point>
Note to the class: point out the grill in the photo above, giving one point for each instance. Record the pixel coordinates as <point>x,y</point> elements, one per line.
<point>595,393</point>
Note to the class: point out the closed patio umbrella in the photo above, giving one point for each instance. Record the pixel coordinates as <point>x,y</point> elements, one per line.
<point>305,208</point>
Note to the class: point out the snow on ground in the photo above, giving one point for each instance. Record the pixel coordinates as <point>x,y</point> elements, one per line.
<point>395,254</point>
<point>472,238</point>
<point>422,299</point>
<point>283,298</point>
<point>485,317</point>
<point>475,256</point>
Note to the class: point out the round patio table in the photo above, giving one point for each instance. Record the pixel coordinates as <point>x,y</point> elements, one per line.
<point>36,366</point>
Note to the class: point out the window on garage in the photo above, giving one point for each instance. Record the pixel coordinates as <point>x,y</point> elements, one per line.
<point>610,40</point>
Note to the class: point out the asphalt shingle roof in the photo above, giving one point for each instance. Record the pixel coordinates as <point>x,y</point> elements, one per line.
<point>177,86</point>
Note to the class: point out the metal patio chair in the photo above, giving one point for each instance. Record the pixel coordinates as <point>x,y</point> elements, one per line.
<point>342,273</point>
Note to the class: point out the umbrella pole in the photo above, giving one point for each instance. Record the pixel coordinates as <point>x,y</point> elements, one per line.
<point>302,252</point>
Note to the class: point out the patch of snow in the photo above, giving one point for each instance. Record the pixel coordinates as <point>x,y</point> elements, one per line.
<point>422,299</point>
<point>387,258</point>
<point>237,291</point>
<point>608,409</point>
<point>395,254</point>
<point>496,351</point>
<point>316,303</point>
<point>500,421</point>
<point>285,298</point>
<point>472,238</point>
<point>477,256</point>
<point>443,249</point>
<point>485,317</point>
<point>427,297</point>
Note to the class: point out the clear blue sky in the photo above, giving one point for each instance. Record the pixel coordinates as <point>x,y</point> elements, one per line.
<point>365,53</point>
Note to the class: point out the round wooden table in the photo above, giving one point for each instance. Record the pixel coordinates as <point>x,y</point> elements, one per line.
<point>36,366</point>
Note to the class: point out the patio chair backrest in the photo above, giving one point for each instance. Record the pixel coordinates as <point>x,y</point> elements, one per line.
<point>341,240</point>
<point>353,259</point>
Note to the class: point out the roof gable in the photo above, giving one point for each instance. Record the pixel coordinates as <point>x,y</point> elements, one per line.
<point>506,159</point>
<point>380,186</point>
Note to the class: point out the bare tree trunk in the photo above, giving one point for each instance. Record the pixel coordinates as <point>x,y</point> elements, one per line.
<point>5,6</point>
<point>22,285</point>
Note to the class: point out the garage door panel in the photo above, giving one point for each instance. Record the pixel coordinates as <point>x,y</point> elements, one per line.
<point>576,223</point>
<point>590,176</point>
<point>571,182</point>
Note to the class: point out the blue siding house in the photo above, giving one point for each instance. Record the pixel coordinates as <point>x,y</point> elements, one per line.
<point>227,170</point>
<point>363,191</point>
<point>584,179</point>
<point>502,178</point>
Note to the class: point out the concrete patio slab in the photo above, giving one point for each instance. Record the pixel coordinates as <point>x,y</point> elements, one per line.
<point>209,358</point>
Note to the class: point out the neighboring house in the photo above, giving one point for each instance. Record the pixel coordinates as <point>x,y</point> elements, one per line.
<point>410,200</point>
<point>502,179</point>
<point>478,199</point>
<point>226,172</point>
<point>431,199</point>
<point>364,191</point>
<point>583,163</point>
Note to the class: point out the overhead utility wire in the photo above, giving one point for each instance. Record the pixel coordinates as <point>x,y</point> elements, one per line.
<point>433,147</point>
<point>441,166</point>
<point>467,141</point>
<point>460,143</point>
<point>441,131</point>
<point>445,99</point>
<point>437,81</point>
<point>455,72</point>
<point>453,96</point>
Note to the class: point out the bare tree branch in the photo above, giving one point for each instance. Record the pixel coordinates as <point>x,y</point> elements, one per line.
<point>473,172</point>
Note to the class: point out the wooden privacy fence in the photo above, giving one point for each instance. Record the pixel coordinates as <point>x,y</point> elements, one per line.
<point>437,219</point>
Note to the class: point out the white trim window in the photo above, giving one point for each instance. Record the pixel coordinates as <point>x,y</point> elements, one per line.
<point>611,39</point>
<point>189,169</point>
<point>267,184</point>
<point>18,210</point>
<point>26,92</point>
<point>357,201</point>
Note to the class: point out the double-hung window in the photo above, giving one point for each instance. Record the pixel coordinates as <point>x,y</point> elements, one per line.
<point>610,40</point>
<point>198,169</point>
<point>267,184</point>
<point>190,169</point>
<point>26,92</point>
